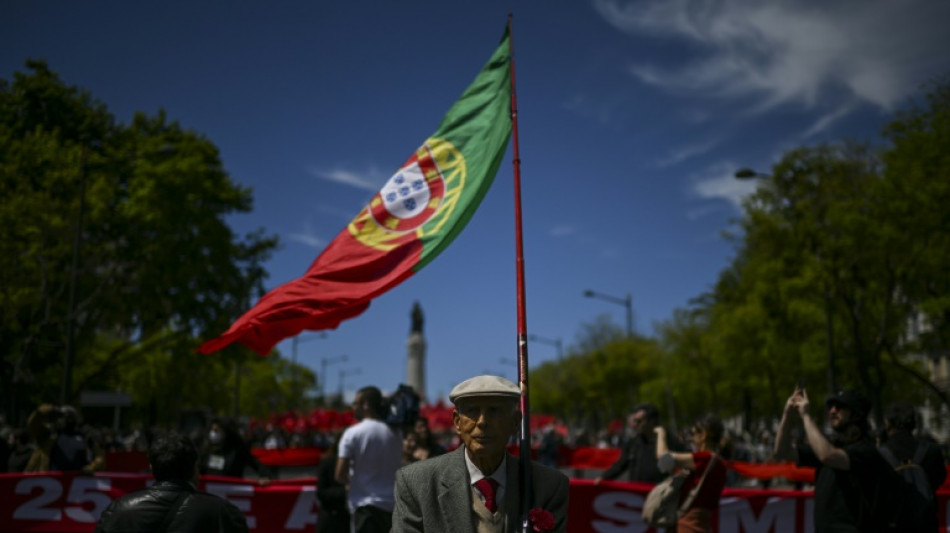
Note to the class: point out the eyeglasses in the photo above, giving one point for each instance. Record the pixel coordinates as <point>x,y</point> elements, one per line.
<point>638,421</point>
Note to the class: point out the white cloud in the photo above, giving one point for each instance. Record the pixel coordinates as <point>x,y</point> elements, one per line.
<point>338,212</point>
<point>562,231</point>
<point>307,237</point>
<point>371,180</point>
<point>880,51</point>
<point>678,155</point>
<point>825,121</point>
<point>605,110</point>
<point>700,212</point>
<point>719,181</point>
<point>307,240</point>
<point>695,116</point>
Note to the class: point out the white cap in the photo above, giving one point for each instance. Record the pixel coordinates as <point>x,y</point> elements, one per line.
<point>485,386</point>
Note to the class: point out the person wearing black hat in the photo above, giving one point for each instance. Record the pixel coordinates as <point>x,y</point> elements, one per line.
<point>852,482</point>
<point>475,489</point>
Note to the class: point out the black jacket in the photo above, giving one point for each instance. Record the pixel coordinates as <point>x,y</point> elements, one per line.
<point>638,459</point>
<point>145,510</point>
<point>333,516</point>
<point>231,461</point>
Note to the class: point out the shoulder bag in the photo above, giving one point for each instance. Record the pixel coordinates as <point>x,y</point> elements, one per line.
<point>662,508</point>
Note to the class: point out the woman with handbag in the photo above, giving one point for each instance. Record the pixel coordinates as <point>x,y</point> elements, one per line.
<point>699,495</point>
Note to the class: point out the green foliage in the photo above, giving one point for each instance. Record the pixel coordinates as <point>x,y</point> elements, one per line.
<point>841,263</point>
<point>157,266</point>
<point>600,378</point>
<point>842,250</point>
<point>917,186</point>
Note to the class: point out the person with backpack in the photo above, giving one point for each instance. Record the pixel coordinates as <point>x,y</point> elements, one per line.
<point>853,484</point>
<point>919,464</point>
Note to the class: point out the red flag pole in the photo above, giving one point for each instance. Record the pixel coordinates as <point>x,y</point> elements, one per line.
<point>524,474</point>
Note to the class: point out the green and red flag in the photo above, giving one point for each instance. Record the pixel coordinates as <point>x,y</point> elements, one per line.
<point>415,215</point>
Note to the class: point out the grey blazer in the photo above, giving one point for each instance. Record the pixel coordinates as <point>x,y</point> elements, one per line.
<point>435,495</point>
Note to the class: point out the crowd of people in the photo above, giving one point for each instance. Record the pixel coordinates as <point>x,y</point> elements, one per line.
<point>370,474</point>
<point>865,481</point>
<point>55,439</point>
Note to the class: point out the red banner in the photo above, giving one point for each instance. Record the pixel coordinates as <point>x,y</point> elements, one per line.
<point>68,503</point>
<point>615,508</point>
<point>582,458</point>
<point>288,456</point>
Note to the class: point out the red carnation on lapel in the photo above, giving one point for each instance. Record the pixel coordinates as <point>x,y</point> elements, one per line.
<point>541,520</point>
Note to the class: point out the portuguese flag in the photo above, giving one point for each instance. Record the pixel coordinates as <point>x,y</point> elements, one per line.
<point>416,214</point>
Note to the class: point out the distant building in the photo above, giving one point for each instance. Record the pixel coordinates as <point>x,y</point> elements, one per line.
<point>937,362</point>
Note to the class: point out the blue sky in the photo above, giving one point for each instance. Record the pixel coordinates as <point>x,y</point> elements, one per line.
<point>633,117</point>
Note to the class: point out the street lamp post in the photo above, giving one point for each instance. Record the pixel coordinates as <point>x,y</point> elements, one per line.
<point>746,173</point>
<point>551,342</point>
<point>293,357</point>
<point>324,363</point>
<point>627,302</point>
<point>66,391</point>
<point>343,374</point>
<point>297,340</point>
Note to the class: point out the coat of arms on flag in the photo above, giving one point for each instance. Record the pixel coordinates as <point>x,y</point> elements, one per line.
<point>411,196</point>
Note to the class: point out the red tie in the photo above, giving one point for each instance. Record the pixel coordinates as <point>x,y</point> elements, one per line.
<point>487,486</point>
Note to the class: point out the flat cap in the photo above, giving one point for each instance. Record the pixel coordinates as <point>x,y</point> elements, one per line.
<point>485,386</point>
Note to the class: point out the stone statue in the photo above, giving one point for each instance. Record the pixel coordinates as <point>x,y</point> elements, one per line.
<point>417,318</point>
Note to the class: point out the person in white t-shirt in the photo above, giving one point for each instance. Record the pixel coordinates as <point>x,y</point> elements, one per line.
<point>370,454</point>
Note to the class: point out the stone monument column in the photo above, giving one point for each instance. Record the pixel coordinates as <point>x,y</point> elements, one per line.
<point>416,353</point>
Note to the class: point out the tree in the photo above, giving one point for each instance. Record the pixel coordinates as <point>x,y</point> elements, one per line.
<point>603,375</point>
<point>839,276</point>
<point>820,284</point>
<point>916,186</point>
<point>115,246</point>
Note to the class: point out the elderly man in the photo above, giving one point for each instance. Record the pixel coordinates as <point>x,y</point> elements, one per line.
<point>475,488</point>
